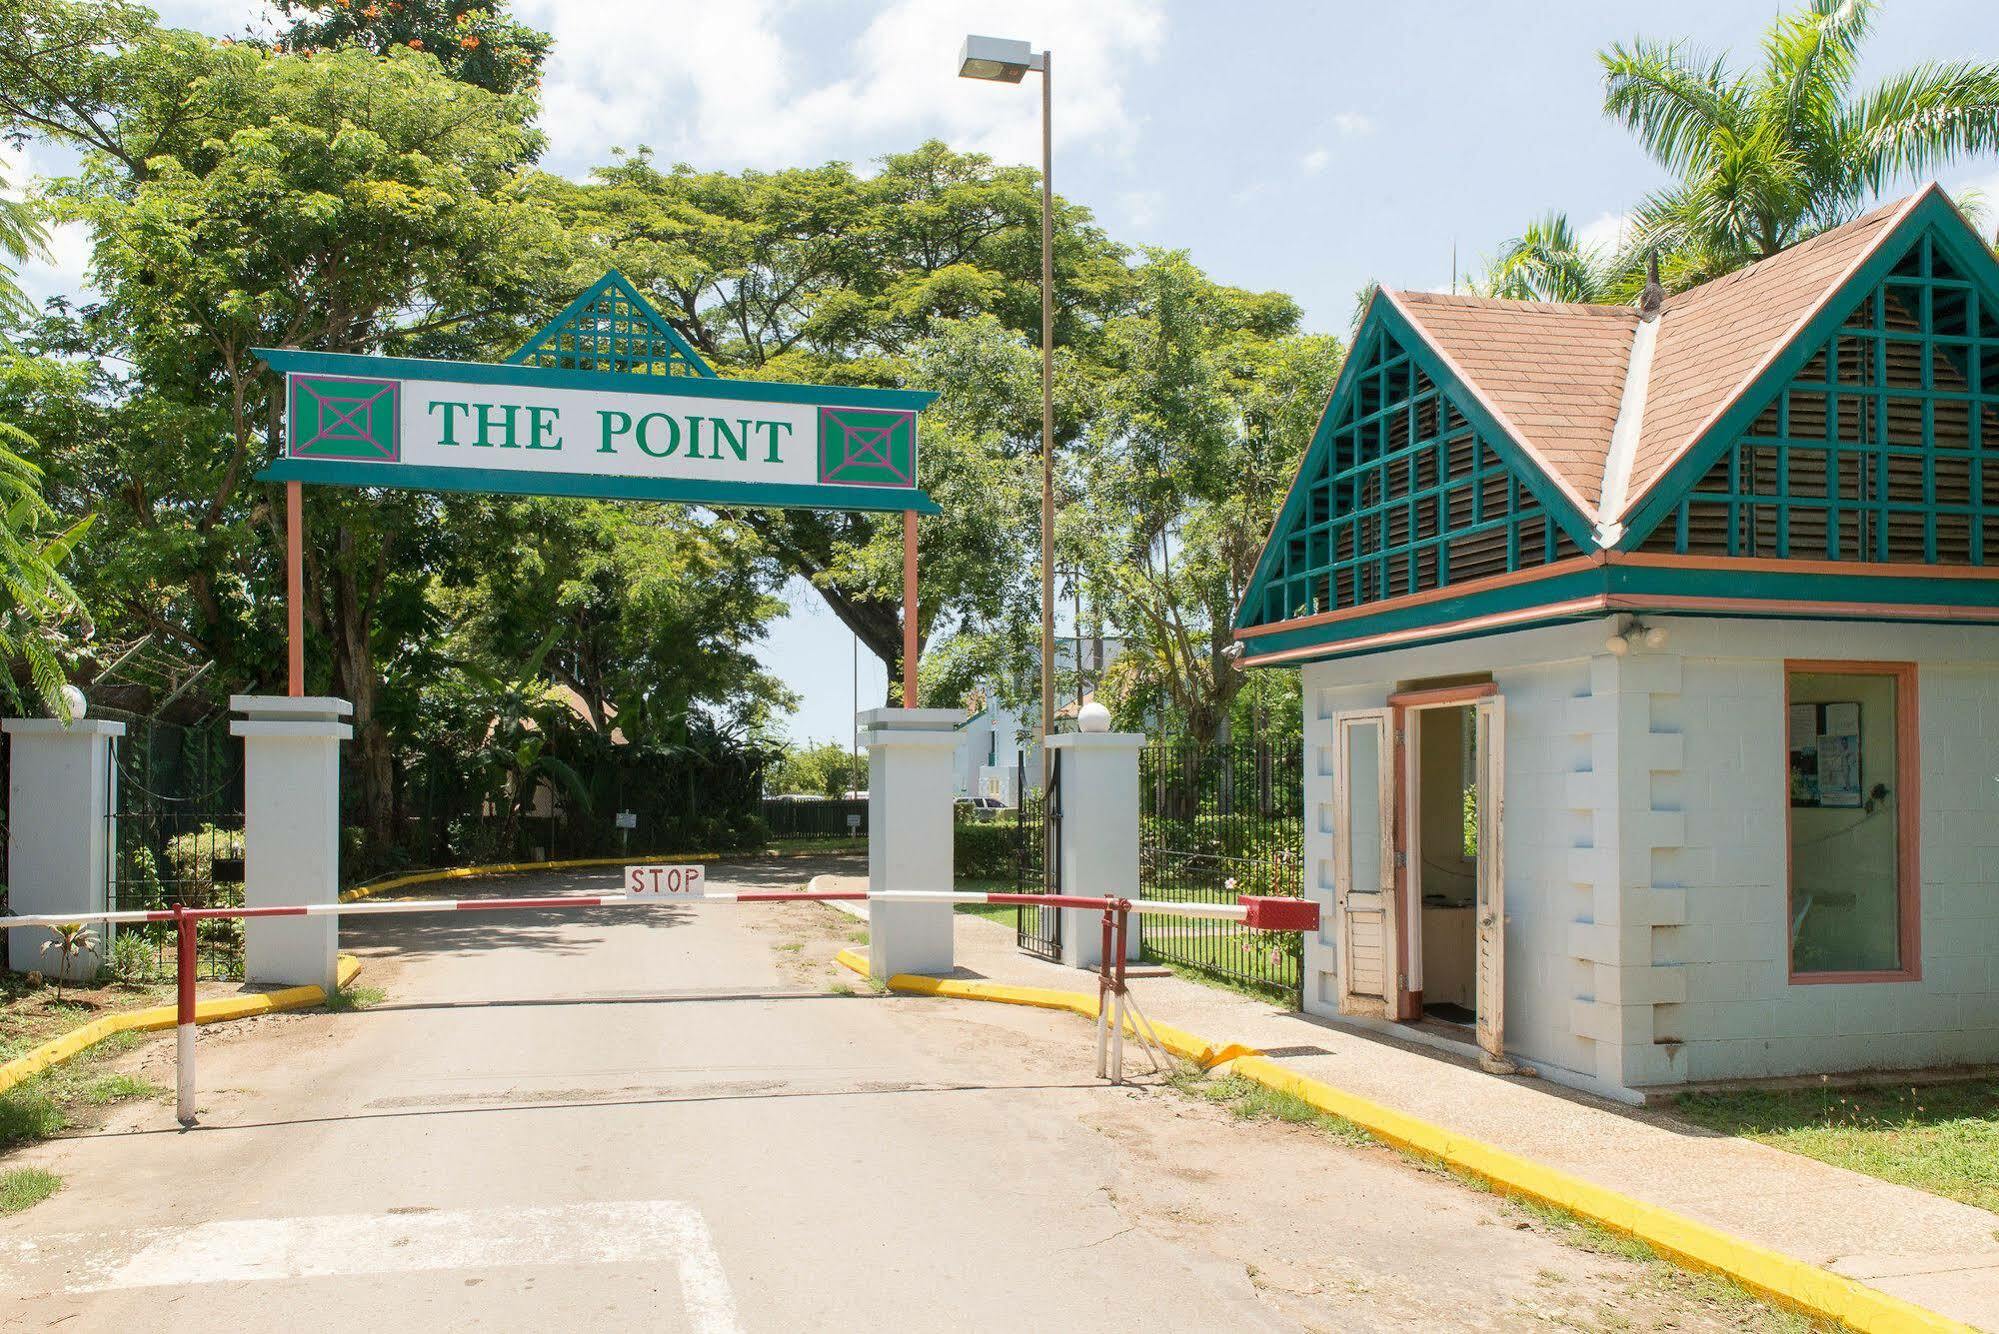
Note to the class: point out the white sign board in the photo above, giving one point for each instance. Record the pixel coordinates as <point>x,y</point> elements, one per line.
<point>666,882</point>
<point>628,819</point>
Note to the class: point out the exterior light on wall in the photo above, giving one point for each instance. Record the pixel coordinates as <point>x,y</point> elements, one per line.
<point>78,705</point>
<point>1093,717</point>
<point>1624,638</point>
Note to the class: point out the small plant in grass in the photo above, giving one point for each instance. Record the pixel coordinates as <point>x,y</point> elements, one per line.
<point>1250,1101</point>
<point>355,998</point>
<point>842,989</point>
<point>25,1187</point>
<point>134,961</point>
<point>69,940</point>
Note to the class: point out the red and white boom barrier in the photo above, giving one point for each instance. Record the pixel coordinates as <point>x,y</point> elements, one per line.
<point>688,884</point>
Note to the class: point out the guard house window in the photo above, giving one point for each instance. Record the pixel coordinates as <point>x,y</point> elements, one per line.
<point>1850,736</point>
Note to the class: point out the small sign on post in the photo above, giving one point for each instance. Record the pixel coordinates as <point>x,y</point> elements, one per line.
<point>666,882</point>
<point>853,826</point>
<point>628,819</point>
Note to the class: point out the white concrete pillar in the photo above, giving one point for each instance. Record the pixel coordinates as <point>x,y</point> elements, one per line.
<point>291,832</point>
<point>62,790</point>
<point>910,796</point>
<point>1099,854</point>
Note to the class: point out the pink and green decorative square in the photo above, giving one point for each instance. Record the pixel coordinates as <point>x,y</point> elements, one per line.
<point>867,447</point>
<point>338,417</point>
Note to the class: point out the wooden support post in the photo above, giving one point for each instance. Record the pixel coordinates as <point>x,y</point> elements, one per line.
<point>294,589</point>
<point>909,635</point>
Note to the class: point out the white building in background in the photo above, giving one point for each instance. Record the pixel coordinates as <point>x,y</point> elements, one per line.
<point>998,744</point>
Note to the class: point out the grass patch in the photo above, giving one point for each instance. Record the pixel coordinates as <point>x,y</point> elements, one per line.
<point>1942,1138</point>
<point>858,937</point>
<point>825,845</point>
<point>1251,1101</point>
<point>107,1089</point>
<point>345,999</point>
<point>790,946</point>
<point>1006,914</point>
<point>48,1104</point>
<point>26,1187</point>
<point>1726,1298</point>
<point>842,989</point>
<point>1248,1100</point>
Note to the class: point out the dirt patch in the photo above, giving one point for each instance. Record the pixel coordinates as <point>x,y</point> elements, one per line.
<point>1329,1234</point>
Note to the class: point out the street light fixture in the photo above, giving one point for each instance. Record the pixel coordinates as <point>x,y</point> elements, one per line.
<point>1004,60</point>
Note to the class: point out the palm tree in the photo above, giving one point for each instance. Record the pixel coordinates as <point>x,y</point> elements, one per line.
<point>1765,158</point>
<point>35,600</point>
<point>1550,262</point>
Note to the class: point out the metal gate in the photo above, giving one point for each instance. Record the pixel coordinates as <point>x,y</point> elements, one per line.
<point>176,836</point>
<point>1038,863</point>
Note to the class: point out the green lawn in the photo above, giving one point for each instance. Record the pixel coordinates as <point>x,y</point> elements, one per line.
<point>1943,1138</point>
<point>1003,913</point>
<point>25,1187</point>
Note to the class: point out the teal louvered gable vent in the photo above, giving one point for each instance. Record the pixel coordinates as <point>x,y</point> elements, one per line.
<point>1883,446</point>
<point>1401,492</point>
<point>611,327</point>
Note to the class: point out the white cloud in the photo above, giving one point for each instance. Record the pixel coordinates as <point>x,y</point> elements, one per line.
<point>721,84</point>
<point>1979,195</point>
<point>59,269</point>
<point>1353,124</point>
<point>1141,207</point>
<point>1606,231</point>
<point>1315,161</point>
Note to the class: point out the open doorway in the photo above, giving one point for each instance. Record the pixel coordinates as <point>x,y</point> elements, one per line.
<point>1443,867</point>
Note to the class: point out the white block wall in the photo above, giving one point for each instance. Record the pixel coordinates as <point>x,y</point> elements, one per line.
<point>1646,904</point>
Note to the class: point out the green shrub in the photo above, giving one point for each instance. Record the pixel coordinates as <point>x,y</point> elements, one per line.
<point>988,851</point>
<point>191,857</point>
<point>133,959</point>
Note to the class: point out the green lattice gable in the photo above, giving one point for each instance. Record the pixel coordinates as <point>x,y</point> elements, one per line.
<point>1408,486</point>
<point>1883,445</point>
<point>611,327</point>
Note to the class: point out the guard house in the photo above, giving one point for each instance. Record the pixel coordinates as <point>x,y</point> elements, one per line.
<point>1651,668</point>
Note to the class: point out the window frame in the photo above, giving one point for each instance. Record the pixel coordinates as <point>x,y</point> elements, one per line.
<point>1908,823</point>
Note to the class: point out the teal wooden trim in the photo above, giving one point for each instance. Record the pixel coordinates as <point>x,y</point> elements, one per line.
<point>691,490</point>
<point>286,360</point>
<point>1386,343</point>
<point>1872,597</point>
<point>1562,586</point>
<point>1580,527</point>
<point>1933,216</point>
<point>616,283</point>
<point>1248,611</point>
<point>1864,598</point>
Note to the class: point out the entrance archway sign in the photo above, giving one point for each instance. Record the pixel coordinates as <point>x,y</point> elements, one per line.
<point>608,401</point>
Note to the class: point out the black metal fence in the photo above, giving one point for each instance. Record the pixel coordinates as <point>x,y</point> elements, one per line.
<point>828,818</point>
<point>176,836</point>
<point>1037,826</point>
<point>1216,822</point>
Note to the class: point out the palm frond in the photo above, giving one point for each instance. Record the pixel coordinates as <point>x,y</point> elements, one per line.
<point>1922,118</point>
<point>1672,97</point>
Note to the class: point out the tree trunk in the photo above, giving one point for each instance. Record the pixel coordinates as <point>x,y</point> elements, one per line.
<point>359,683</point>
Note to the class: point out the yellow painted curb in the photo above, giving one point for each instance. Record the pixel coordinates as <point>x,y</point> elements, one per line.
<point>1788,1281</point>
<point>76,1040</point>
<point>508,868</point>
<point>1182,1044</point>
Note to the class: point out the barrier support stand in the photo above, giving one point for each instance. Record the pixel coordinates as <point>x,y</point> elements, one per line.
<point>184,927</point>
<point>1105,999</point>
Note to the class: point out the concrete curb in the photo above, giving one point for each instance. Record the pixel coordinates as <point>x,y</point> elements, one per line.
<point>1788,1281</point>
<point>57,1050</point>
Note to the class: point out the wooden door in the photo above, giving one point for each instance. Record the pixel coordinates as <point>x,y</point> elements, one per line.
<point>1364,860</point>
<point>1490,766</point>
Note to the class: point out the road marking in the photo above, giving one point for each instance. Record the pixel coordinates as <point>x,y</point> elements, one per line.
<point>354,1245</point>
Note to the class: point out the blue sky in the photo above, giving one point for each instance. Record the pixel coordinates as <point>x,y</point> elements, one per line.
<point>1306,147</point>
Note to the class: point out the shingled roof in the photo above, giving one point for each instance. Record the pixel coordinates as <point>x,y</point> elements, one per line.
<point>1555,374</point>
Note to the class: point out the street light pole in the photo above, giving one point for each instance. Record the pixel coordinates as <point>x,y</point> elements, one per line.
<point>1047,424</point>
<point>1005,60</point>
